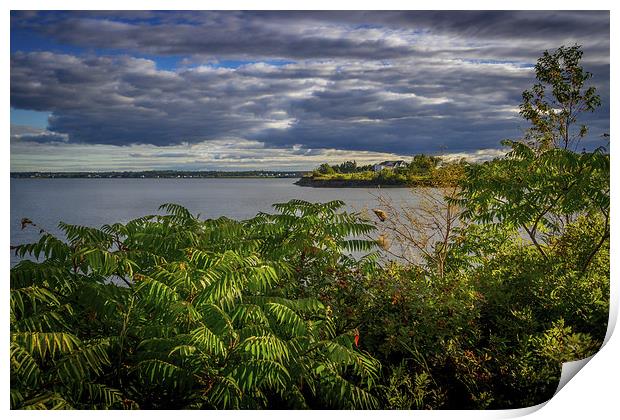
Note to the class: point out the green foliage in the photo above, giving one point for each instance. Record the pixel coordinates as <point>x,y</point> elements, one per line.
<point>538,192</point>
<point>422,171</point>
<point>350,167</point>
<point>561,94</point>
<point>199,314</point>
<point>542,185</point>
<point>347,167</point>
<point>423,165</point>
<point>526,285</point>
<point>325,169</point>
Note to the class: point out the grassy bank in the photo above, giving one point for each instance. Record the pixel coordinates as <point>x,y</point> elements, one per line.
<point>386,178</point>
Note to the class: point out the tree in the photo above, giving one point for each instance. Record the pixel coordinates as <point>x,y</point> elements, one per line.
<point>554,103</point>
<point>325,169</point>
<point>423,164</point>
<point>421,233</point>
<point>348,167</point>
<point>539,192</point>
<point>542,185</point>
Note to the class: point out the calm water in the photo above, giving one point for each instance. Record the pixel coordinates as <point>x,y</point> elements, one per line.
<point>95,202</point>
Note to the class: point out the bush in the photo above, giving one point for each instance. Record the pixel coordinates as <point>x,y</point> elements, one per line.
<point>202,318</point>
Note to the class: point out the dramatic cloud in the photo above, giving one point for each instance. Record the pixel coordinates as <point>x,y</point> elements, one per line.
<point>299,34</point>
<point>383,82</point>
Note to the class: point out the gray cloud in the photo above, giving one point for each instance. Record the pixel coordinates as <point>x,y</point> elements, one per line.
<point>45,138</point>
<point>316,34</point>
<point>396,82</point>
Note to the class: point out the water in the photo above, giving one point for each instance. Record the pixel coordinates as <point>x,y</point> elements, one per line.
<point>95,202</point>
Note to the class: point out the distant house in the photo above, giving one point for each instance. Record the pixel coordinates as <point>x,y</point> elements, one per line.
<point>389,164</point>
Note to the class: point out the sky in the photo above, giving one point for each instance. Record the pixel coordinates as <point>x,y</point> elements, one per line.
<point>199,90</point>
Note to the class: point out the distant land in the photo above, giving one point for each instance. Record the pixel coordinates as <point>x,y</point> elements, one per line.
<point>422,171</point>
<point>162,174</point>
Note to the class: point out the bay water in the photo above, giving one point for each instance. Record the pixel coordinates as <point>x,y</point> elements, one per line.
<point>95,202</point>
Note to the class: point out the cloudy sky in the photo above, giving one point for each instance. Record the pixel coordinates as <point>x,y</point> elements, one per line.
<point>280,90</point>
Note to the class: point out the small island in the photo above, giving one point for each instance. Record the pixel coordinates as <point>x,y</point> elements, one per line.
<point>422,171</point>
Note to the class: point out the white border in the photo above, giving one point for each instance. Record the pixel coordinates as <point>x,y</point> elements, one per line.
<point>593,393</point>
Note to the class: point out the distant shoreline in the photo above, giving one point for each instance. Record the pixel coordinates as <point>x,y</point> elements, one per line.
<point>303,178</point>
<point>160,175</point>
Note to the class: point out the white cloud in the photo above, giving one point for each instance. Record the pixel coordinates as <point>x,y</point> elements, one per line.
<point>224,154</point>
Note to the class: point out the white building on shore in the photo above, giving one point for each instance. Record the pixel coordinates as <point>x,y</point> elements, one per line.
<point>389,164</point>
